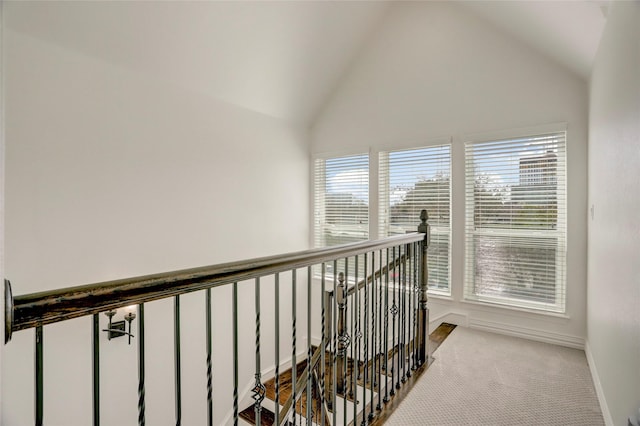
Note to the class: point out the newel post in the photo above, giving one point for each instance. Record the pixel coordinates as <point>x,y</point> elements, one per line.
<point>423,311</point>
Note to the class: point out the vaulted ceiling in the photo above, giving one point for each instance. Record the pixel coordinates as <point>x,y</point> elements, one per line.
<point>283,59</point>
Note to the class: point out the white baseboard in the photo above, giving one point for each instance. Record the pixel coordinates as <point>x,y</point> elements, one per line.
<point>528,333</point>
<point>606,414</point>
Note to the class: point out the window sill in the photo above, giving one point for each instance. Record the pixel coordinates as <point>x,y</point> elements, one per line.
<point>439,296</point>
<point>517,308</point>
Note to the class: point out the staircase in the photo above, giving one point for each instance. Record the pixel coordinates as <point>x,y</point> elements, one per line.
<point>384,394</point>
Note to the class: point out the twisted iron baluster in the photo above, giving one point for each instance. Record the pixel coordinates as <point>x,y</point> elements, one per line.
<point>258,389</point>
<point>352,327</point>
<point>209,364</point>
<point>358,336</point>
<point>309,366</point>
<point>415,305</point>
<point>334,346</point>
<point>374,337</point>
<point>394,312</point>
<point>141,408</point>
<point>277,348</point>
<point>403,306</point>
<point>39,376</point>
<point>323,345</point>
<point>410,310</point>
<point>386,332</point>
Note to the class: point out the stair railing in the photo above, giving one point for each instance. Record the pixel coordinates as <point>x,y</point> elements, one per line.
<point>376,343</point>
<point>373,331</point>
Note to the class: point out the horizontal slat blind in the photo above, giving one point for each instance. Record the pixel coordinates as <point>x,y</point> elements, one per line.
<point>412,180</point>
<point>516,221</point>
<point>341,200</point>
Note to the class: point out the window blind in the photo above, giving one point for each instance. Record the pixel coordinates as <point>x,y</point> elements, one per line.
<point>341,200</point>
<point>412,180</point>
<point>516,221</point>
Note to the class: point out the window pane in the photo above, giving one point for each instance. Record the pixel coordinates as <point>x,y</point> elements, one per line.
<point>523,269</point>
<point>516,221</point>
<point>341,200</point>
<point>413,180</point>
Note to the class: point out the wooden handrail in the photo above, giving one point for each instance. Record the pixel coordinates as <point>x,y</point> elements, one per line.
<point>37,309</point>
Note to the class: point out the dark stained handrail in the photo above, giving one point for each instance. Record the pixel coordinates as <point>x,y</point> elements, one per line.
<point>37,309</point>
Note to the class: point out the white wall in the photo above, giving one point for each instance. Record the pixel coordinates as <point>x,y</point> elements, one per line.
<point>111,173</point>
<point>2,177</point>
<point>614,231</point>
<point>433,72</point>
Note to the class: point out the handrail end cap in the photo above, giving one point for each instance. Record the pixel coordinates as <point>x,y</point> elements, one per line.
<point>8,311</point>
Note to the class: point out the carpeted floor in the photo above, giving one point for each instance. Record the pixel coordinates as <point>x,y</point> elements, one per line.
<point>481,378</point>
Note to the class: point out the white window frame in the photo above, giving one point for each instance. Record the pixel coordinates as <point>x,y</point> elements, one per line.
<point>559,307</point>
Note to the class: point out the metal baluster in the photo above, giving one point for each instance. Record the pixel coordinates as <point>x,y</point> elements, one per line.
<point>323,345</point>
<point>141,390</point>
<point>39,374</point>
<point>366,337</point>
<point>359,325</point>
<point>409,311</point>
<point>340,324</point>
<point>410,329</point>
<point>95,365</point>
<point>209,361</point>
<point>379,351</point>
<point>403,309</point>
<point>176,339</point>
<point>352,329</point>
<point>343,340</point>
<point>334,346</point>
<point>234,306</point>
<point>400,318</point>
<point>258,389</point>
<point>414,252</point>
<point>309,369</point>
<point>277,354</point>
<point>373,323</point>
<point>294,363</point>
<point>394,312</point>
<point>356,359</point>
<point>398,314</point>
<point>386,332</point>
<point>373,331</point>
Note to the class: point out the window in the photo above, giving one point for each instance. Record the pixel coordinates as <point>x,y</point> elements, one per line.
<point>516,221</point>
<point>341,200</point>
<point>412,180</point>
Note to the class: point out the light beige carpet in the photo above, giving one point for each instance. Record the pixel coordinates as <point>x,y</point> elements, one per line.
<point>481,378</point>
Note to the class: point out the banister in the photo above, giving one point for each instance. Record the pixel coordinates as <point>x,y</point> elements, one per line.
<point>287,406</point>
<point>37,309</point>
